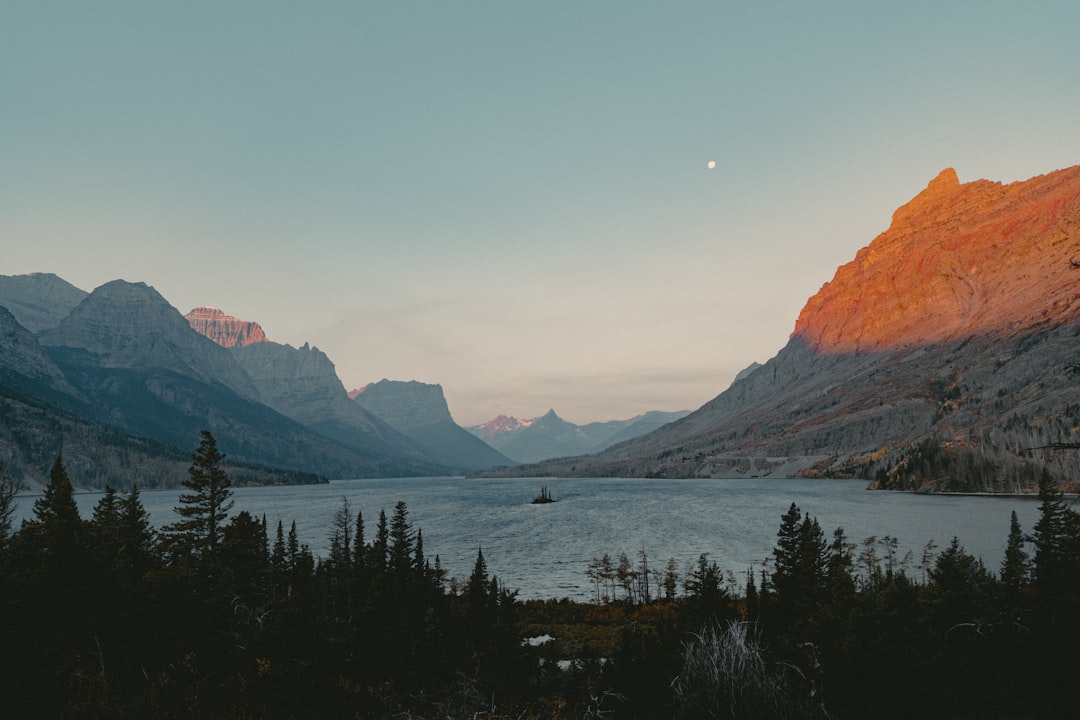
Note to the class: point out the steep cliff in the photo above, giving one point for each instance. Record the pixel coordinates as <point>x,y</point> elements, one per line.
<point>937,358</point>
<point>21,356</point>
<point>39,301</point>
<point>226,330</point>
<point>419,410</point>
<point>302,383</point>
<point>130,325</point>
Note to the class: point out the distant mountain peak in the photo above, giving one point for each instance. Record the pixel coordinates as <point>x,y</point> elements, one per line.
<point>39,301</point>
<point>225,330</point>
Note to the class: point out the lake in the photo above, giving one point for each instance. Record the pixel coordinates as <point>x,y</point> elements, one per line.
<point>544,550</point>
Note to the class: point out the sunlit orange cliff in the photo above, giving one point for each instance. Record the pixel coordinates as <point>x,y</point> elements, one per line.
<point>940,357</point>
<point>957,260</point>
<point>225,330</point>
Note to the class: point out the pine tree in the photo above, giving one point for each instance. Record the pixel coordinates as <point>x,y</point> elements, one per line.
<point>203,512</point>
<point>801,562</point>
<point>292,548</point>
<point>277,556</point>
<point>136,536</point>
<point>786,553</point>
<point>1052,539</point>
<point>9,488</point>
<point>753,603</point>
<point>359,543</point>
<point>57,515</point>
<point>671,580</point>
<point>106,523</point>
<point>1014,566</point>
<point>402,540</point>
<point>478,609</point>
<point>380,545</point>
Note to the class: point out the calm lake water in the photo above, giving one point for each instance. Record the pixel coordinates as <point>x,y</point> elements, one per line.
<point>544,550</point>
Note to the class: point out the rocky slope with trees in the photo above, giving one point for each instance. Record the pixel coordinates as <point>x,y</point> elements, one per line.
<point>122,377</point>
<point>939,358</point>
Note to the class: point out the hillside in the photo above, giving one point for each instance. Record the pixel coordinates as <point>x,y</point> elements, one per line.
<point>938,358</point>
<point>123,385</point>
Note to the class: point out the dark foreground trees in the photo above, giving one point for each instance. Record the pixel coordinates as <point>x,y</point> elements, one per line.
<point>101,618</point>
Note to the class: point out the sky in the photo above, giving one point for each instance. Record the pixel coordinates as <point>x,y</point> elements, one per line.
<point>510,199</point>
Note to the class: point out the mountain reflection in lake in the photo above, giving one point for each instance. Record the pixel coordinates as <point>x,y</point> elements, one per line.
<point>543,550</point>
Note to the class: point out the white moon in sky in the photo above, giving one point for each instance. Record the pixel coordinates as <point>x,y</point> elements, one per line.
<point>711,164</point>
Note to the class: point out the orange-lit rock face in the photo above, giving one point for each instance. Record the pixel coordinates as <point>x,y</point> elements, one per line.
<point>958,260</point>
<point>223,329</point>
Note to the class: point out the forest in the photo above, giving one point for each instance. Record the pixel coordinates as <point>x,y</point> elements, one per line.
<point>218,615</point>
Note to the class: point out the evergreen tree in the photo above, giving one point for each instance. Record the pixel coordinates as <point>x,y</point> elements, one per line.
<point>801,562</point>
<point>671,579</point>
<point>293,548</point>
<point>245,560</point>
<point>753,602</point>
<point>107,512</point>
<point>278,558</point>
<point>359,543</point>
<point>707,598</point>
<point>136,537</point>
<point>9,488</point>
<point>380,545</point>
<point>1014,566</point>
<point>478,610</point>
<point>105,525</point>
<point>402,540</point>
<point>57,516</point>
<point>341,544</point>
<point>203,511</point>
<point>1056,539</point>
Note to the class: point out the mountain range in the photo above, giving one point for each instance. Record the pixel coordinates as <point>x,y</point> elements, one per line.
<point>120,383</point>
<point>942,357</point>
<point>549,436</point>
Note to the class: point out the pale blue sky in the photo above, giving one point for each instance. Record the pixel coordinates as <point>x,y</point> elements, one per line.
<point>510,199</point>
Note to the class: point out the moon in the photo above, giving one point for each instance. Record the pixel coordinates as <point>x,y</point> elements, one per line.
<point>711,164</point>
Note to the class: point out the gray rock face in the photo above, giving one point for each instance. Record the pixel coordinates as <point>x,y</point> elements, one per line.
<point>39,301</point>
<point>130,325</point>
<point>405,405</point>
<point>21,354</point>
<point>302,384</point>
<point>419,410</point>
<point>225,330</point>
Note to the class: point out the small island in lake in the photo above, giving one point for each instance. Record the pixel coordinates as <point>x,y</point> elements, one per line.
<point>543,497</point>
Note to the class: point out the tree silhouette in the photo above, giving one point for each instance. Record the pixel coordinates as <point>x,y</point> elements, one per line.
<point>197,535</point>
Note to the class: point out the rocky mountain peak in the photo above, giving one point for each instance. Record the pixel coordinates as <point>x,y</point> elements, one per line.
<point>404,405</point>
<point>20,353</point>
<point>38,301</point>
<point>130,325</point>
<point>225,330</point>
<point>958,260</point>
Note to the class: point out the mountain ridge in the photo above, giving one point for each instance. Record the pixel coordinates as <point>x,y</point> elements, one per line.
<point>936,359</point>
<point>550,436</point>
